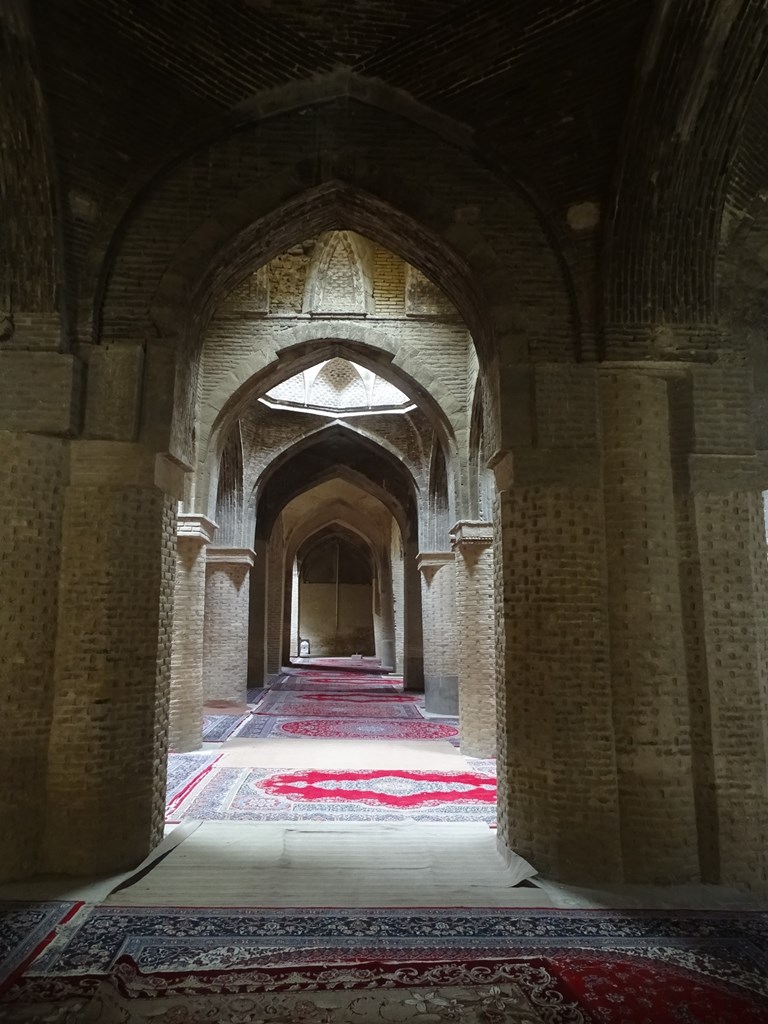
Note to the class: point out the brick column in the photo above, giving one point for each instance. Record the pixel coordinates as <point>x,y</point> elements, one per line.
<point>556,761</point>
<point>33,473</point>
<point>473,547</point>
<point>729,705</point>
<point>194,532</point>
<point>107,753</point>
<point>438,603</point>
<point>651,713</point>
<point>275,584</point>
<point>225,650</point>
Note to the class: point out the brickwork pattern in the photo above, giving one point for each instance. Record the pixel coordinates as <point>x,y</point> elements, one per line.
<point>112,661</point>
<point>438,602</point>
<point>186,699</point>
<point>556,757</point>
<point>475,627</point>
<point>32,479</point>
<point>225,634</point>
<point>731,535</point>
<point>275,583</point>
<point>164,667</point>
<point>650,699</point>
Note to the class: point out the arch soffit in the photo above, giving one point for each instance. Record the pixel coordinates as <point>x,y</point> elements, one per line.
<point>354,537</point>
<point>318,438</point>
<point>333,512</point>
<point>402,515</point>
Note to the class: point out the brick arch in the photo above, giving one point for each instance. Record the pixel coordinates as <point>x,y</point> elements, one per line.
<point>303,347</point>
<point>701,62</point>
<point>344,454</point>
<point>336,511</point>
<point>248,193</point>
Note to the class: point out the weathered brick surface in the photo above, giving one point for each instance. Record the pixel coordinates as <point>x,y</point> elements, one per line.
<point>111,678</point>
<point>651,715</point>
<point>556,756</point>
<point>731,541</point>
<point>39,392</point>
<point>475,626</point>
<point>186,687</point>
<point>32,481</point>
<point>225,650</point>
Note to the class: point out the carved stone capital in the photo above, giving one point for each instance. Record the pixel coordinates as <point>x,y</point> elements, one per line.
<point>230,556</point>
<point>430,562</point>
<point>470,534</point>
<point>194,526</point>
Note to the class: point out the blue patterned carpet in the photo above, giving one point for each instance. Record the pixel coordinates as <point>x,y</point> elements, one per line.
<point>182,768</point>
<point>23,926</point>
<point>217,728</point>
<point>572,967</point>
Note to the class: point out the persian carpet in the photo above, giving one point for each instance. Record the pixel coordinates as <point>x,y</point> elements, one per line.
<point>217,728</point>
<point>288,705</point>
<point>524,966</point>
<point>297,684</point>
<point>185,772</point>
<point>25,928</point>
<point>344,728</point>
<point>261,794</point>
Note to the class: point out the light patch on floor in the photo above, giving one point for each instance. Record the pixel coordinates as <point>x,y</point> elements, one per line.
<point>323,753</point>
<point>335,864</point>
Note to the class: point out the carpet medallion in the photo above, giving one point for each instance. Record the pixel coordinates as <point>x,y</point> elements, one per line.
<point>537,967</point>
<point>260,794</point>
<point>345,728</point>
<point>288,705</point>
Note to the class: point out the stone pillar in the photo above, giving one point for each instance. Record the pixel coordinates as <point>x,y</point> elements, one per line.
<point>194,532</point>
<point>473,548</point>
<point>556,761</point>
<point>225,653</point>
<point>108,746</point>
<point>651,713</point>
<point>438,603</point>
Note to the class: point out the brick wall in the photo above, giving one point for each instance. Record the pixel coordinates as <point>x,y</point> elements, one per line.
<point>111,678</point>
<point>32,480</point>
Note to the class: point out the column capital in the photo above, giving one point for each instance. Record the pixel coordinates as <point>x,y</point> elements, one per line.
<point>230,556</point>
<point>471,533</point>
<point>195,526</point>
<point>429,562</point>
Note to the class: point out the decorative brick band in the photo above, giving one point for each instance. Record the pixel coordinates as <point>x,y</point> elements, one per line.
<point>230,556</point>
<point>428,562</point>
<point>194,526</point>
<point>471,534</point>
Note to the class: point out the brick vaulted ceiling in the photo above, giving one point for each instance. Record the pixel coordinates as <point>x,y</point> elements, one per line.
<point>543,84</point>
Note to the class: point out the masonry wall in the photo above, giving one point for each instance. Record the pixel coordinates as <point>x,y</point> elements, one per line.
<point>354,632</point>
<point>33,474</point>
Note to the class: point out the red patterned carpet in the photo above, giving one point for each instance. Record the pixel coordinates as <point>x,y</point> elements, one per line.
<point>345,728</point>
<point>391,788</point>
<point>480,966</point>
